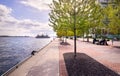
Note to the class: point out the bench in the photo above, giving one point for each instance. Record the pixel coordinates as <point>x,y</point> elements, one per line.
<point>100,42</point>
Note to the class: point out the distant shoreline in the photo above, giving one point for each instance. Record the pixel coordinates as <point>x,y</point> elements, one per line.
<point>13,36</point>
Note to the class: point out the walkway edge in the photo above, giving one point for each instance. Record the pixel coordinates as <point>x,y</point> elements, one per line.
<point>21,62</point>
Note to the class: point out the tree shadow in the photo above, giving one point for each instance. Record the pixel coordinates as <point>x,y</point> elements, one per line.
<point>64,43</point>
<point>84,65</point>
<point>118,47</point>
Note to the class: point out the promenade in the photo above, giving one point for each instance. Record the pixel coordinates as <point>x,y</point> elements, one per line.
<point>91,60</point>
<point>58,60</point>
<point>43,63</point>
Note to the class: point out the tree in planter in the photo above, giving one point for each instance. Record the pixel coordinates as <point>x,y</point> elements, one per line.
<point>58,18</point>
<point>62,15</point>
<point>89,17</point>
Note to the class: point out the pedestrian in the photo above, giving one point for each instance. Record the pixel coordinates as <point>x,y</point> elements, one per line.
<point>112,40</point>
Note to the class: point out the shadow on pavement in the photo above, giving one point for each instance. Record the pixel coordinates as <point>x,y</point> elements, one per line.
<point>64,43</point>
<point>118,47</point>
<point>84,65</point>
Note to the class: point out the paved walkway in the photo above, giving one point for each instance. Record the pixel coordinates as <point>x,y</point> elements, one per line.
<point>50,60</point>
<point>108,56</point>
<point>44,63</point>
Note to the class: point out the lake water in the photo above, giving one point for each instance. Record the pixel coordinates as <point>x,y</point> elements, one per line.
<point>15,49</point>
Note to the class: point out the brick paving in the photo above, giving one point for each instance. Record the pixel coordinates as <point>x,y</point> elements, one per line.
<point>51,60</point>
<point>108,56</point>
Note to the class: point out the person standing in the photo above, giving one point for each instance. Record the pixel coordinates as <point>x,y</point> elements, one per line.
<point>112,40</point>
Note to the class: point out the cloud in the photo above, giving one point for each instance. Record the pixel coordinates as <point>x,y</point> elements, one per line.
<point>9,25</point>
<point>4,10</point>
<point>38,4</point>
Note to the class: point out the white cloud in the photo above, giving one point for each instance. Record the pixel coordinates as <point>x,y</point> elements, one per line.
<point>38,4</point>
<point>11,26</point>
<point>4,10</point>
<point>14,31</point>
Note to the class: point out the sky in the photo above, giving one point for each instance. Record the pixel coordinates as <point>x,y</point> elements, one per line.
<point>25,17</point>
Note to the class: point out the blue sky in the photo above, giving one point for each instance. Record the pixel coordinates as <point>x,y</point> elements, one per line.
<point>24,17</point>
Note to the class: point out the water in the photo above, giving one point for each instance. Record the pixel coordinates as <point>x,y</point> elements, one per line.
<point>16,49</point>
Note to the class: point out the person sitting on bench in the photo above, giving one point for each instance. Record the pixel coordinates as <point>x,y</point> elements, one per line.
<point>95,40</point>
<point>103,42</point>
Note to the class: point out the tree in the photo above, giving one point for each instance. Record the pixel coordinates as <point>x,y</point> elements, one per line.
<point>62,16</point>
<point>112,13</point>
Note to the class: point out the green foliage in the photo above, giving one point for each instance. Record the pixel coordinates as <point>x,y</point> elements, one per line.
<point>90,17</point>
<point>112,13</point>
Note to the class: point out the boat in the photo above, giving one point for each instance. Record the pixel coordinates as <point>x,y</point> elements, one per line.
<point>42,36</point>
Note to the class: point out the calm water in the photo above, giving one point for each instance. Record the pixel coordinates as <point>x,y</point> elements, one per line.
<point>16,49</point>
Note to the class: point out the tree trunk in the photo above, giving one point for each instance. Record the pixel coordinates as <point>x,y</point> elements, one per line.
<point>83,37</point>
<point>87,38</point>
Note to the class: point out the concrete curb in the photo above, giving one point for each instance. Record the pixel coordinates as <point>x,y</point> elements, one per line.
<point>15,67</point>
<point>20,63</point>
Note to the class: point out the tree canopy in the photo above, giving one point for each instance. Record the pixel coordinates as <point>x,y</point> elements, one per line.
<point>90,17</point>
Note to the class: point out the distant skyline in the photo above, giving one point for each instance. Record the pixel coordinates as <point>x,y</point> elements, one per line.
<point>24,17</point>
